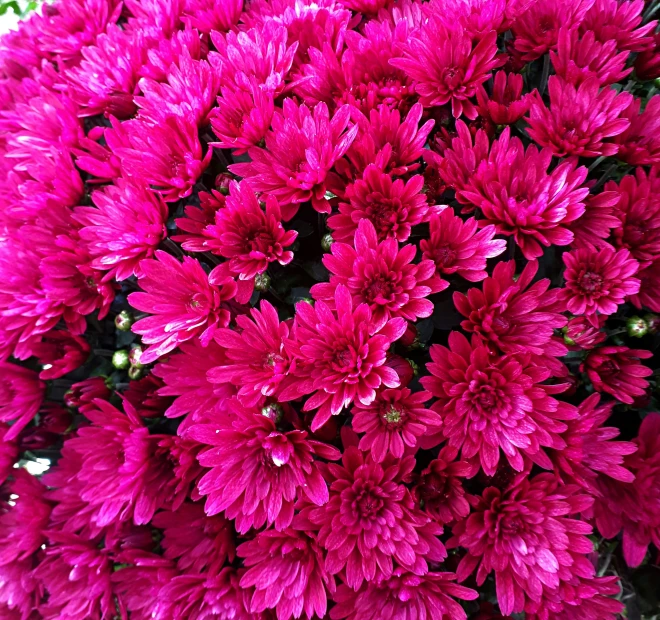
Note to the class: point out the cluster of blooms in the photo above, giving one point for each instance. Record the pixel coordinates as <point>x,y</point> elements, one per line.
<point>324,308</point>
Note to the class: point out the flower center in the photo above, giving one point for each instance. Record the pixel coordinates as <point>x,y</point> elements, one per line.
<point>444,256</point>
<point>198,303</point>
<point>379,290</point>
<point>392,415</point>
<point>368,506</point>
<point>591,282</point>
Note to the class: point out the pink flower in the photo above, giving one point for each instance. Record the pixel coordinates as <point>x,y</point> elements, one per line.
<point>257,361</point>
<point>647,63</point>
<point>580,57</point>
<point>634,507</point>
<point>513,315</point>
<point>126,226</point>
<point>455,246</point>
<point>184,375</point>
<point>208,15</point>
<point>59,352</point>
<point>144,395</point>
<point>580,121</point>
<point>184,43</point>
<point>580,334</point>
<point>649,289</point>
<point>529,537</point>
<point>447,66</point>
<point>270,468</point>
<point>197,218</point>
<point>182,302</point>
<point>286,572</point>
<point>196,543</point>
<point>371,521</point>
<point>621,22</point>
<point>396,419</point>
<point>392,206</point>
<point>8,453</point>
<point>593,227</point>
<point>86,391</point>
<point>507,104</point>
<point>618,371</point>
<point>21,395</point>
<point>300,151</point>
<point>493,403</point>
<point>54,425</point>
<point>404,593</point>
<point>588,452</point>
<point>340,356</point>
<point>167,156</point>
<point>598,281</point>
<point>439,487</point>
<point>639,145</point>
<point>515,191</point>
<point>380,275</point>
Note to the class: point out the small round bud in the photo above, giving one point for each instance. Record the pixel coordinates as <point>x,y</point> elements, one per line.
<point>307,300</point>
<point>637,327</point>
<point>134,356</point>
<point>273,412</point>
<point>120,359</point>
<point>124,320</point>
<point>653,322</point>
<point>222,182</point>
<point>135,373</point>
<point>262,282</point>
<point>71,399</point>
<point>326,242</point>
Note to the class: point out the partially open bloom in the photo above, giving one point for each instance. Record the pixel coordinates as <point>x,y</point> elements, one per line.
<point>507,104</point>
<point>257,362</point>
<point>446,66</point>
<point>404,593</point>
<point>381,275</point>
<point>182,302</point>
<point>371,521</point>
<point>455,246</point>
<point>21,395</point>
<point>126,226</point>
<point>529,536</point>
<point>579,333</point>
<point>270,469</point>
<point>580,121</point>
<point>598,281</point>
<point>286,572</point>
<point>634,506</point>
<point>618,371</point>
<point>59,352</point>
<point>340,355</point>
<point>492,403</point>
<point>393,206</point>
<point>300,151</point>
<point>396,419</point>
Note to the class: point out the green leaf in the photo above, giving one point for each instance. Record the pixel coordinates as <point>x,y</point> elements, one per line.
<point>11,4</point>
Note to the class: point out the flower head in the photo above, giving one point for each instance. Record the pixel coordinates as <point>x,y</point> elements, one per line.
<point>208,15</point>
<point>8,452</point>
<point>507,104</point>
<point>581,334</point>
<point>182,302</point>
<point>59,352</point>
<point>270,468</point>
<point>21,395</point>
<point>639,145</point>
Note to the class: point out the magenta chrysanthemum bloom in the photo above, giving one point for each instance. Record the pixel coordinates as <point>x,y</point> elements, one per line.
<point>164,53</point>
<point>8,452</point>
<point>59,352</point>
<point>594,226</point>
<point>589,451</point>
<point>269,468</point>
<point>404,594</point>
<point>514,315</point>
<point>393,206</point>
<point>126,226</point>
<point>447,66</point>
<point>598,281</point>
<point>340,355</point>
<point>439,486</point>
<point>492,403</point>
<point>166,156</point>
<point>528,535</point>
<point>183,303</point>
<point>396,419</point>
<point>21,395</point>
<point>455,246</point>
<point>371,521</point>
<point>649,290</point>
<point>581,57</point>
<point>580,334</point>
<point>507,104</point>
<point>196,543</point>
<point>286,572</point>
<point>580,121</point>
<point>143,395</point>
<point>647,63</point>
<point>381,275</point>
<point>634,507</point>
<point>208,15</point>
<point>620,22</point>
<point>184,375</point>
<point>515,191</point>
<point>639,145</point>
<point>86,391</point>
<point>618,371</point>
<point>257,362</point>
<point>300,151</point>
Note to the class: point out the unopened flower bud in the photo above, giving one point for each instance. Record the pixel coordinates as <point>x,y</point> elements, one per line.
<point>135,373</point>
<point>637,327</point>
<point>326,242</point>
<point>262,282</point>
<point>135,355</point>
<point>120,359</point>
<point>653,322</point>
<point>124,320</point>
<point>222,182</point>
<point>273,412</point>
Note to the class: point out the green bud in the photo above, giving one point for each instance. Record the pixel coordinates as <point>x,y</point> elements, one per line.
<point>273,412</point>
<point>653,321</point>
<point>262,282</point>
<point>326,242</point>
<point>135,373</point>
<point>124,320</point>
<point>134,356</point>
<point>120,359</point>
<point>637,327</point>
